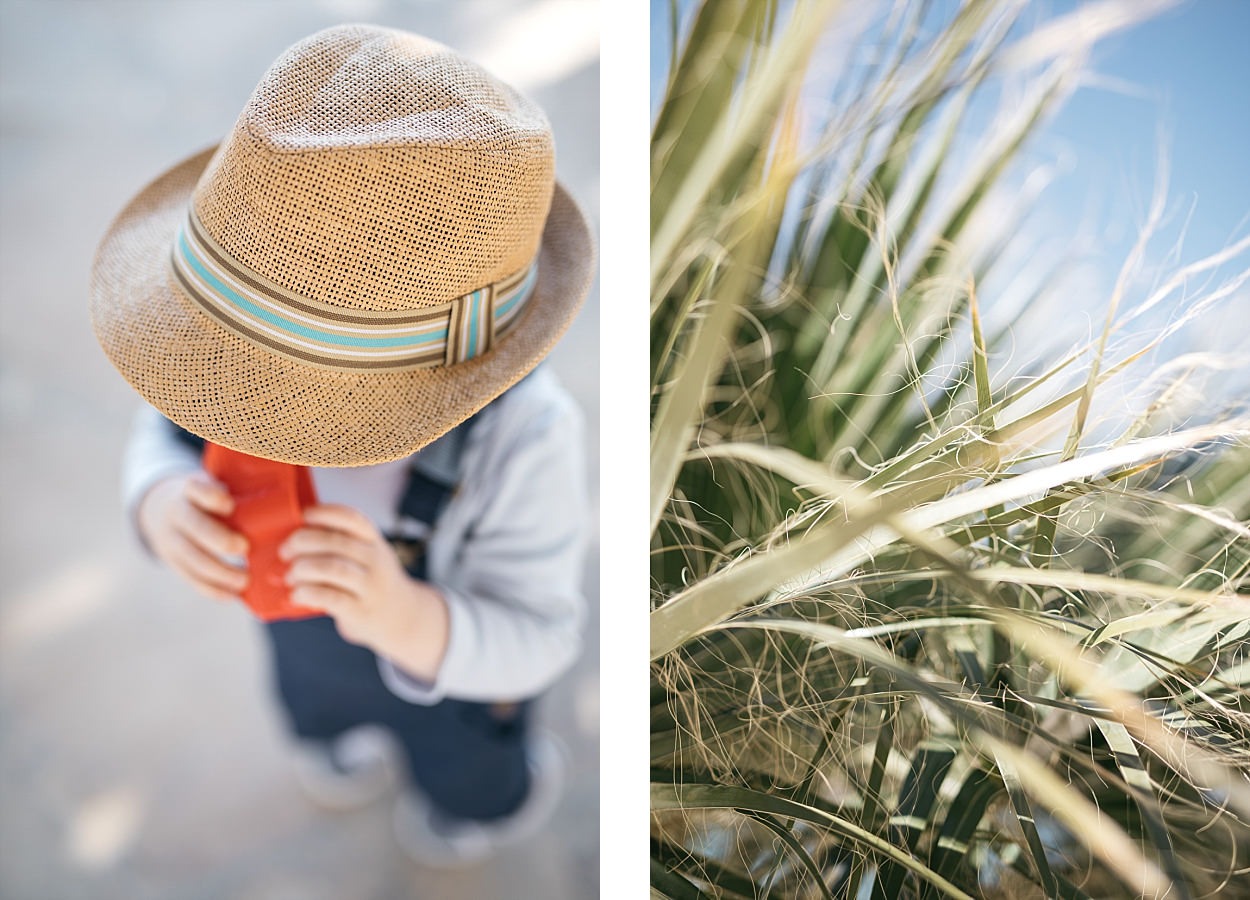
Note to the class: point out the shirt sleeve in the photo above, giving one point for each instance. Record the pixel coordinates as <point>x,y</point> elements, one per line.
<point>513,594</point>
<point>153,453</point>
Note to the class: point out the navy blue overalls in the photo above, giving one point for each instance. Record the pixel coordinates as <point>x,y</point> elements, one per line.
<point>469,758</point>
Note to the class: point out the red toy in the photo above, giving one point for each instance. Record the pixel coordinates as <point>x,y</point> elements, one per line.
<point>269,499</point>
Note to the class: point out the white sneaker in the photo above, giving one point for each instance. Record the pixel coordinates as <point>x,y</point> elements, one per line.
<point>350,771</point>
<point>434,839</point>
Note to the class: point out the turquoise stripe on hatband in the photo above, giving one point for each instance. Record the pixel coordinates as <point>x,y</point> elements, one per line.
<point>227,293</point>
<point>475,308</point>
<point>526,287</point>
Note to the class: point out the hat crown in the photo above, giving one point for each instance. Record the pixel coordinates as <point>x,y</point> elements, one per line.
<point>362,86</point>
<point>377,170</point>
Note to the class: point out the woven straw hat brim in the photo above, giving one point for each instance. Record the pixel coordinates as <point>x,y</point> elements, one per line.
<point>225,389</point>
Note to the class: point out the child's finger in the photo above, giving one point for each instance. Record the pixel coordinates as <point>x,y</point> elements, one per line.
<point>328,571</point>
<point>319,596</point>
<point>336,517</point>
<point>202,568</point>
<point>323,541</point>
<point>209,495</point>
<point>209,533</point>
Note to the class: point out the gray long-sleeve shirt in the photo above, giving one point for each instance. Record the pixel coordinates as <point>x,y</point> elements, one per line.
<point>506,552</point>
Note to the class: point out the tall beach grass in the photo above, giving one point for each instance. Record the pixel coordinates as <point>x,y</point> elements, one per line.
<point>939,609</point>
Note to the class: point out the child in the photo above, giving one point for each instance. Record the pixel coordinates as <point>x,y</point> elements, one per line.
<point>363,278</point>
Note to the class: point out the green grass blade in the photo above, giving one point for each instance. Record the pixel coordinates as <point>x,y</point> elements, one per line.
<point>919,795</point>
<point>1028,824</point>
<point>675,419</point>
<point>736,128</point>
<point>796,849</point>
<point>715,796</point>
<point>706,73</point>
<point>948,856</point>
<point>917,799</point>
<point>873,815</point>
<point>1131,767</point>
<point>671,885</point>
<point>691,865</point>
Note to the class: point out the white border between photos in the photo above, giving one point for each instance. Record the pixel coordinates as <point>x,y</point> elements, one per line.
<point>625,440</point>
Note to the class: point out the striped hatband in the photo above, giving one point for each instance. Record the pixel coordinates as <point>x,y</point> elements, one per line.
<point>377,249</point>
<point>309,331</point>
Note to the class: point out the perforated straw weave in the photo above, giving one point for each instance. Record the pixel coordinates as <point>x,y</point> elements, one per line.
<point>373,177</point>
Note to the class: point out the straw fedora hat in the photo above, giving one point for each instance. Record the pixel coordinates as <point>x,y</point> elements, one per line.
<point>377,250</point>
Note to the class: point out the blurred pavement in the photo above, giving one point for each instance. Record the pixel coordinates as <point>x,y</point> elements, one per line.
<point>138,754</point>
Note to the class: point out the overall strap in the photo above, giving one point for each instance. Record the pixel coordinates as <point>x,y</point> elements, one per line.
<point>433,476</point>
<point>434,473</point>
<point>186,438</point>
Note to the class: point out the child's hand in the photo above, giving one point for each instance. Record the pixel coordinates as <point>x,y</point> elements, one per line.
<point>176,518</point>
<point>341,564</point>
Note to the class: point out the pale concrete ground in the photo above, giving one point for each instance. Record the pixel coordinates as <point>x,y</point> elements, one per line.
<point>138,754</point>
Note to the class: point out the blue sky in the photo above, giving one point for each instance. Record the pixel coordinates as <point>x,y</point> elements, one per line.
<point>1189,73</point>
<point>1194,70</point>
